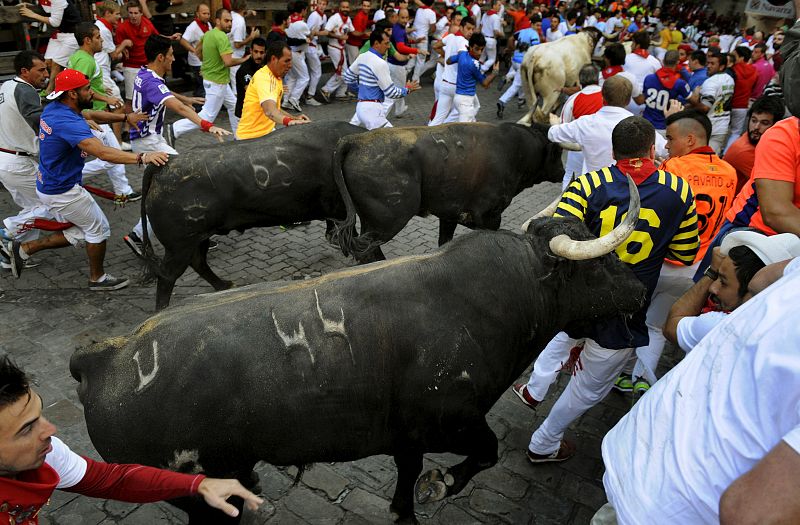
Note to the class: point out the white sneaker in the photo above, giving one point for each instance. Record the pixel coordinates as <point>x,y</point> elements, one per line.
<point>312,102</point>
<point>295,104</point>
<point>125,146</point>
<point>285,104</point>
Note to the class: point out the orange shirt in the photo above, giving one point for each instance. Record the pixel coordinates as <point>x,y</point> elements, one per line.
<point>741,156</point>
<point>520,19</point>
<point>777,158</point>
<point>713,182</point>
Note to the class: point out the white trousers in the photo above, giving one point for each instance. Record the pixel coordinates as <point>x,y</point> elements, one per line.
<point>444,106</point>
<point>352,53</point>
<point>489,54</point>
<point>398,74</point>
<point>467,106</point>
<point>217,95</point>
<point>147,144</point>
<point>18,175</point>
<point>301,77</point>
<point>548,365</point>
<point>372,115</point>
<point>515,87</point>
<point>233,72</point>
<point>573,167</point>
<point>336,85</point>
<point>738,125</point>
<point>116,172</point>
<point>314,69</point>
<point>672,284</point>
<point>77,206</point>
<point>421,62</point>
<point>591,383</point>
<point>717,143</point>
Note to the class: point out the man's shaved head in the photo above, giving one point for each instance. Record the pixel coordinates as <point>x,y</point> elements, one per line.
<point>687,130</point>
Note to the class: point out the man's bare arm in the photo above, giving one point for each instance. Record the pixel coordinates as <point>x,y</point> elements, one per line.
<point>776,200</point>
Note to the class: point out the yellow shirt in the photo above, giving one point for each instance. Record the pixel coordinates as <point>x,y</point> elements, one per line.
<point>666,38</point>
<point>675,40</point>
<point>263,86</point>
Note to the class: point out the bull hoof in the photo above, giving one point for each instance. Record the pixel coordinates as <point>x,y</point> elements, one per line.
<point>406,520</point>
<point>434,485</point>
<point>225,285</point>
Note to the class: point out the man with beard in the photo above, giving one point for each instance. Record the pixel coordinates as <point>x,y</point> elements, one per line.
<point>258,50</point>
<point>741,154</point>
<point>726,284</point>
<point>65,140</point>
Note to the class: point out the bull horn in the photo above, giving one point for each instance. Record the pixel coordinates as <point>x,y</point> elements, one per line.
<point>546,212</point>
<point>611,36</point>
<point>567,248</point>
<point>570,146</point>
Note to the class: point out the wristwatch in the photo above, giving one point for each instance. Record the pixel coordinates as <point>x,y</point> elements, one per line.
<point>711,273</point>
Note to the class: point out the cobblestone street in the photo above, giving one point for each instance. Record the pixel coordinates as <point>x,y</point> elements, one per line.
<point>49,312</point>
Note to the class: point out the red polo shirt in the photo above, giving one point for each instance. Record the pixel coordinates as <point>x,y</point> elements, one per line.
<point>360,23</point>
<point>137,35</point>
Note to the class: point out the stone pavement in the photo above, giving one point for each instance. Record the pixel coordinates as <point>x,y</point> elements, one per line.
<point>49,312</point>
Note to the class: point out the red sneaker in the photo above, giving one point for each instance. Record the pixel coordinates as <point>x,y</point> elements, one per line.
<point>522,393</point>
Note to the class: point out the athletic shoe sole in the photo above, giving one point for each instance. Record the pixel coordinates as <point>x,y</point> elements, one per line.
<point>134,246</point>
<point>100,287</point>
<point>521,396</point>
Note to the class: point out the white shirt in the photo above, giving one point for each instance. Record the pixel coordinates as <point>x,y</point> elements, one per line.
<point>711,418</point>
<point>193,34</point>
<point>692,330</point>
<point>453,44</point>
<point>380,14</point>
<point>725,42</point>
<point>423,19</point>
<point>441,27</point>
<point>612,23</point>
<point>475,11</point>
<point>335,25</point>
<point>641,67</point>
<point>574,162</point>
<point>715,93</point>
<point>238,34</point>
<point>636,89</point>
<point>490,24</point>
<point>552,36</point>
<point>315,22</point>
<point>70,466</point>
<point>593,133</point>
<point>299,30</point>
<point>101,57</point>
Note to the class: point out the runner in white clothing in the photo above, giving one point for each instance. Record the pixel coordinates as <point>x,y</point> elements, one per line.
<point>423,27</point>
<point>714,98</point>
<point>453,44</point>
<point>337,28</point>
<point>491,29</point>
<point>316,25</point>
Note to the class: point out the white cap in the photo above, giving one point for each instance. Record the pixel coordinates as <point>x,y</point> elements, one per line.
<point>770,249</point>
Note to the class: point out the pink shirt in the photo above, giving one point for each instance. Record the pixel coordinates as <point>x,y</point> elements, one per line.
<point>765,72</point>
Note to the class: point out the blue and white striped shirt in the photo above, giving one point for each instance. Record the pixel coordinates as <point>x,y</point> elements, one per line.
<point>369,75</point>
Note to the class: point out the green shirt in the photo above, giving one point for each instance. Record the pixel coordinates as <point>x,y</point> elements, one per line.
<point>215,44</point>
<point>86,64</point>
<point>367,45</point>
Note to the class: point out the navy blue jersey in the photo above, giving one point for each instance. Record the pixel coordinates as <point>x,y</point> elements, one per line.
<point>667,227</point>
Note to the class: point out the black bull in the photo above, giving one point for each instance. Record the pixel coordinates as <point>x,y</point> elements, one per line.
<point>462,173</point>
<point>402,357</point>
<point>280,179</point>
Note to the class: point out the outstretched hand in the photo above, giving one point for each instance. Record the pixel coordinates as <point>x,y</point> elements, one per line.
<point>216,492</point>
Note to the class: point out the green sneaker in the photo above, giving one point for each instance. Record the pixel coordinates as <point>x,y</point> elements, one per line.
<point>624,383</point>
<point>641,386</point>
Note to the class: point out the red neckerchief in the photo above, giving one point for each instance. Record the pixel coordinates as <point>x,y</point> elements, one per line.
<point>344,18</point>
<point>641,52</point>
<point>611,71</point>
<point>638,169</point>
<point>711,306</point>
<point>703,149</point>
<point>106,23</point>
<point>204,27</point>
<point>491,12</point>
<point>667,76</point>
<point>278,29</point>
<point>23,497</point>
<point>458,33</point>
<point>295,18</point>
<point>320,12</point>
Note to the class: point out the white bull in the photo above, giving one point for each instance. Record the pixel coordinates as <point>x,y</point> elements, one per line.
<point>548,67</point>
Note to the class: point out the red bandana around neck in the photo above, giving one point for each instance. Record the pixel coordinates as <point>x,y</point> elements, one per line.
<point>491,12</point>
<point>278,29</point>
<point>610,71</point>
<point>641,52</point>
<point>204,27</point>
<point>344,17</point>
<point>106,23</point>
<point>295,18</point>
<point>667,76</point>
<point>638,169</point>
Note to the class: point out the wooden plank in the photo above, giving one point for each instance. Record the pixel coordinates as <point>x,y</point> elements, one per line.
<point>7,63</point>
<point>9,14</point>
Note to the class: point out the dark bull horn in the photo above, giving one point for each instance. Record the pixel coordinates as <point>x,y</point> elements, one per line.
<point>547,212</point>
<point>567,248</point>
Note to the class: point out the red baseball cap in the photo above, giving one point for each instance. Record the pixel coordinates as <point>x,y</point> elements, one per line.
<point>67,80</point>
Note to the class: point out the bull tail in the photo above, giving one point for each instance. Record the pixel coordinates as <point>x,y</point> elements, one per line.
<point>345,234</point>
<point>530,94</point>
<point>152,262</point>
